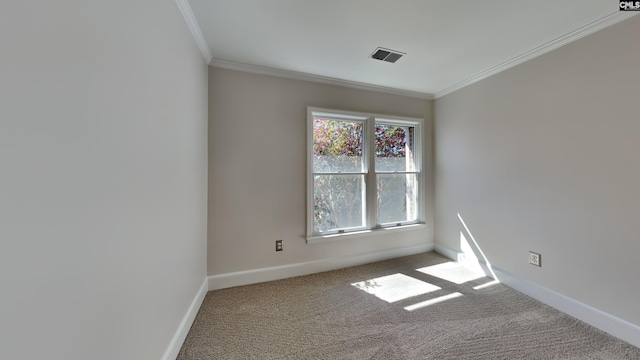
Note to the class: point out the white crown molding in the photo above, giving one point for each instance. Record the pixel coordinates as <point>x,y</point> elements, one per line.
<point>194,27</point>
<point>597,25</point>
<point>254,276</point>
<point>183,329</point>
<point>264,70</point>
<point>540,50</point>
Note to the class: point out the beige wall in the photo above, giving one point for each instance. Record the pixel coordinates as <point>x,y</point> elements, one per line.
<point>257,169</point>
<point>103,121</point>
<point>544,157</point>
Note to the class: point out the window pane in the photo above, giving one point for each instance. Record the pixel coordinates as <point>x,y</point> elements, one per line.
<point>338,202</point>
<point>337,146</point>
<point>397,198</point>
<point>394,148</point>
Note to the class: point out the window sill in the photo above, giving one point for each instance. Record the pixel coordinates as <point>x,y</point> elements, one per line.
<point>356,234</point>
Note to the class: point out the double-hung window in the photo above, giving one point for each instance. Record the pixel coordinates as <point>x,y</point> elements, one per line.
<point>363,172</point>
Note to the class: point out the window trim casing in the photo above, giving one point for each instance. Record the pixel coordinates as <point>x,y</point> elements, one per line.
<point>370,173</point>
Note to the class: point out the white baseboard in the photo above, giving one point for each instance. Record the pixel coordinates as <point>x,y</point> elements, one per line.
<point>286,271</point>
<point>447,252</point>
<point>183,329</point>
<point>606,322</point>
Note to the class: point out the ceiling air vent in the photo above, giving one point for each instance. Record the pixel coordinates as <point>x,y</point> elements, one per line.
<point>387,55</point>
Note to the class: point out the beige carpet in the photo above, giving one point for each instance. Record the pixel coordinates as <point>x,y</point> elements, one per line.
<point>415,307</point>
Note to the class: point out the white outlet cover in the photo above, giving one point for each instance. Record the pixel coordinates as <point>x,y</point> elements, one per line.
<point>535,259</point>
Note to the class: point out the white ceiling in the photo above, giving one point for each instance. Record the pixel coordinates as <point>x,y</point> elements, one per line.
<point>448,44</point>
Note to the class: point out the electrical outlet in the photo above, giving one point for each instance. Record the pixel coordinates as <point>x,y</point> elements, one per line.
<point>535,259</point>
<point>278,245</point>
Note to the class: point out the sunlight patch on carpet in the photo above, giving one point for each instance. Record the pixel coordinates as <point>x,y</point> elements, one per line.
<point>490,283</point>
<point>440,299</point>
<point>395,287</point>
<point>454,272</point>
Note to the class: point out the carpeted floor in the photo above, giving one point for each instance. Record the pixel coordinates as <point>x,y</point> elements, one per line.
<point>415,307</point>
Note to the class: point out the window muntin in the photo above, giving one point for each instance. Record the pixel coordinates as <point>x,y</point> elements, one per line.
<point>337,146</point>
<point>363,172</point>
<point>338,175</point>
<point>396,173</point>
<point>338,202</point>
<point>397,196</point>
<point>394,147</point>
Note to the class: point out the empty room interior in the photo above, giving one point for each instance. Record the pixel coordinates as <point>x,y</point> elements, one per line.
<point>208,179</point>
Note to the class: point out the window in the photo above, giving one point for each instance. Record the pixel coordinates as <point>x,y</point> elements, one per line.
<point>363,173</point>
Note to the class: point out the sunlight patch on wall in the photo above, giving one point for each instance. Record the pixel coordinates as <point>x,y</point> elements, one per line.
<point>440,299</point>
<point>465,244</point>
<point>466,249</point>
<point>395,287</point>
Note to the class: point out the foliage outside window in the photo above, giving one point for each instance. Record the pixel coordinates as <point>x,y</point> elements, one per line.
<point>363,173</point>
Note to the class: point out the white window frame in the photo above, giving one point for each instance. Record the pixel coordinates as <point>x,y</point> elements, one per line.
<point>369,170</point>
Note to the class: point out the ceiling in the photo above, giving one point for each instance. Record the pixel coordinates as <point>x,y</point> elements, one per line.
<point>448,44</point>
